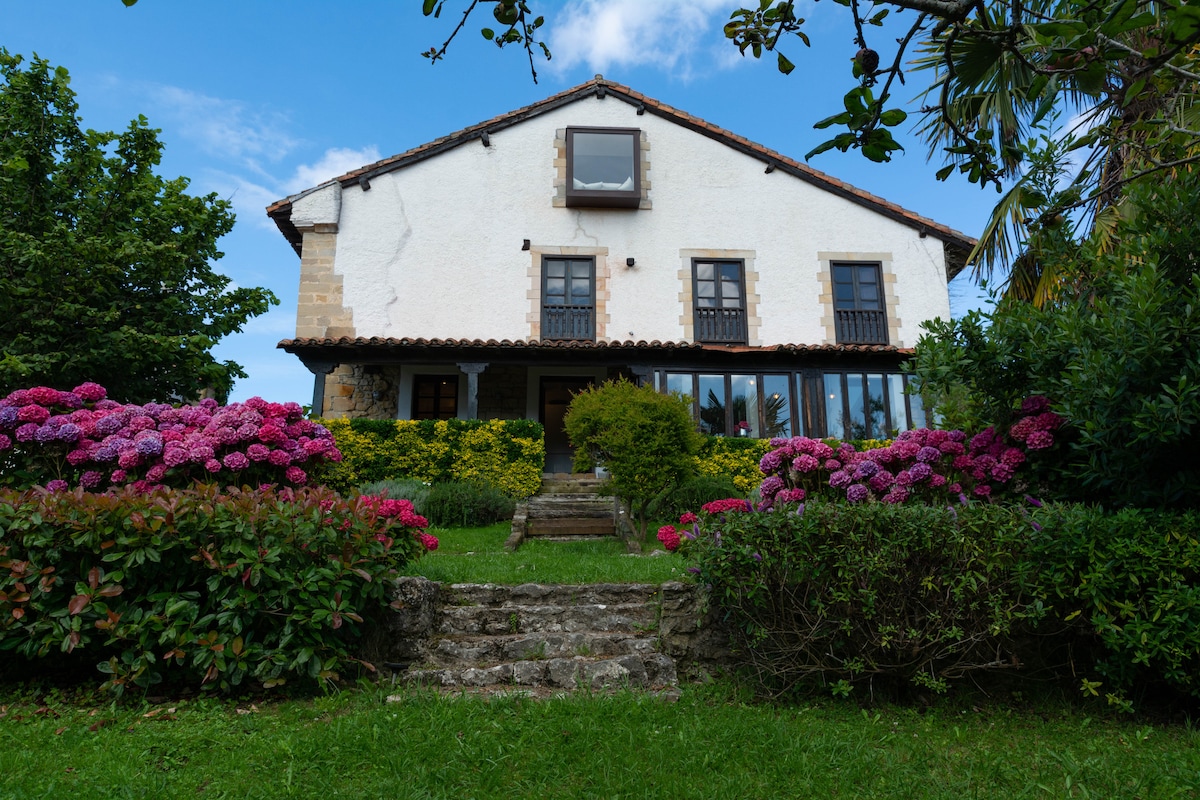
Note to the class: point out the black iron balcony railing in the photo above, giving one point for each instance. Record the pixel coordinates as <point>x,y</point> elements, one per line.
<point>861,327</point>
<point>721,325</point>
<point>568,322</point>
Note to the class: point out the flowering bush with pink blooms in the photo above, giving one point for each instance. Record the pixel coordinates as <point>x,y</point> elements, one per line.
<point>218,588</point>
<point>929,466</point>
<point>48,436</point>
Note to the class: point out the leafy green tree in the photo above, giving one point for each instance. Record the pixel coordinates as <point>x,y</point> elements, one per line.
<point>105,267</point>
<point>1117,360</point>
<point>644,438</point>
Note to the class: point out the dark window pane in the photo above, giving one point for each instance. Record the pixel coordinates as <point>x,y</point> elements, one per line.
<point>704,271</point>
<point>834,413</point>
<point>866,274</point>
<point>875,407</point>
<point>776,406</point>
<point>856,422</point>
<point>712,404</point>
<point>896,397</point>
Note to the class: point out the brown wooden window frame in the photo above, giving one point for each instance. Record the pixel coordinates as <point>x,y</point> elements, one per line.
<point>605,198</point>
<point>726,324</point>
<point>855,324</point>
<point>439,383</point>
<point>566,321</point>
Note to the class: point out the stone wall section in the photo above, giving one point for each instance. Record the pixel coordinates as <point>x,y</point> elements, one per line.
<point>358,390</point>
<point>319,310</point>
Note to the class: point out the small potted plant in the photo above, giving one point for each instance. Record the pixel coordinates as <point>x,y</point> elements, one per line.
<point>743,428</point>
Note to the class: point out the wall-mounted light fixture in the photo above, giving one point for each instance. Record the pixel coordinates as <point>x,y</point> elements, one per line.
<point>629,262</point>
<point>364,183</point>
<point>525,244</point>
<point>487,140</point>
<point>770,167</point>
<point>641,109</point>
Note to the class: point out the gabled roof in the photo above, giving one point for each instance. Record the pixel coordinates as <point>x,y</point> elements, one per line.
<point>957,245</point>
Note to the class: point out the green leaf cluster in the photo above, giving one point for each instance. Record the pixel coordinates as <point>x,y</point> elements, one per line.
<point>106,268</point>
<point>218,588</point>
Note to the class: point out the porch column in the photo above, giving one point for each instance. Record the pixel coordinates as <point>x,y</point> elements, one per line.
<point>472,370</point>
<point>319,369</point>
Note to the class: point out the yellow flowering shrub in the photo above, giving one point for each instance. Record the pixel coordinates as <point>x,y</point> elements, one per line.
<point>507,454</point>
<point>736,458</point>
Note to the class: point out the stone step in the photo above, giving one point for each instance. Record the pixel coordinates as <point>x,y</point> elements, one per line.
<point>451,651</point>
<point>539,594</point>
<point>571,526</point>
<point>569,505</point>
<point>482,620</point>
<point>628,671</point>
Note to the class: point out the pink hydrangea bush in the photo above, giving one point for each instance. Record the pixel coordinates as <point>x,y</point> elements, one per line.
<point>84,439</point>
<point>923,465</point>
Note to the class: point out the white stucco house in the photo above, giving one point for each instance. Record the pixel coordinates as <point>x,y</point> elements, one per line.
<point>597,233</point>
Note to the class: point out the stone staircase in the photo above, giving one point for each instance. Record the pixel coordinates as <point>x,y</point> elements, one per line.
<point>566,507</point>
<point>544,638</point>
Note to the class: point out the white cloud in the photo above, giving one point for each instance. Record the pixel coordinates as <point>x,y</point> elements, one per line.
<point>228,128</point>
<point>672,35</point>
<point>336,161</point>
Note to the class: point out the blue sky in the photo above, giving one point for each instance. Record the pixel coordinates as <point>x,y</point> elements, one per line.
<point>258,99</point>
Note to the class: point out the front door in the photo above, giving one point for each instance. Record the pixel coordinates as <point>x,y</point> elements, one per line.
<point>556,394</point>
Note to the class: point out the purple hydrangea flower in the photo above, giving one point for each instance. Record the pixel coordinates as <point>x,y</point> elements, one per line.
<point>857,492</point>
<point>928,454</point>
<point>57,485</point>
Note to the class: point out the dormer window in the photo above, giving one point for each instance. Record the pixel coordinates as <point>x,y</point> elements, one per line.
<point>603,167</point>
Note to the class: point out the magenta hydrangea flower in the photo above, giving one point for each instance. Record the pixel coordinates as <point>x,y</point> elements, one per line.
<point>27,432</point>
<point>258,452</point>
<point>5,442</point>
<point>90,392</point>
<point>90,479</point>
<point>212,465</point>
<point>32,413</point>
<point>1039,440</point>
<point>296,475</point>
<point>236,461</point>
<point>279,458</point>
<point>117,476</point>
<point>57,485</point>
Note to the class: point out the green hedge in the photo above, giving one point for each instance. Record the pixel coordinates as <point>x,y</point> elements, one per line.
<point>1126,587</point>
<point>507,454</point>
<point>867,594</point>
<point>894,595</point>
<point>200,586</point>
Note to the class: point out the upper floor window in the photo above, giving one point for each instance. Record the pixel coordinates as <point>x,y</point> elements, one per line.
<point>858,304</point>
<point>719,292</point>
<point>569,298</point>
<point>604,167</point>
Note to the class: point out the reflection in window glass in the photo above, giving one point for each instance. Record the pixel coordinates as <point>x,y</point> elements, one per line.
<point>603,161</point>
<point>712,404</point>
<point>918,411</point>
<point>855,424</point>
<point>833,406</point>
<point>875,407</point>
<point>776,407</point>
<point>680,384</point>
<point>899,421</point>
<point>744,391</point>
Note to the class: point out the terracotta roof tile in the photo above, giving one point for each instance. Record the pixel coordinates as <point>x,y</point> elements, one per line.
<point>510,344</point>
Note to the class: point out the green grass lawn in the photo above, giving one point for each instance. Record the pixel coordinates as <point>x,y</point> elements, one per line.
<point>707,745</point>
<point>477,555</point>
